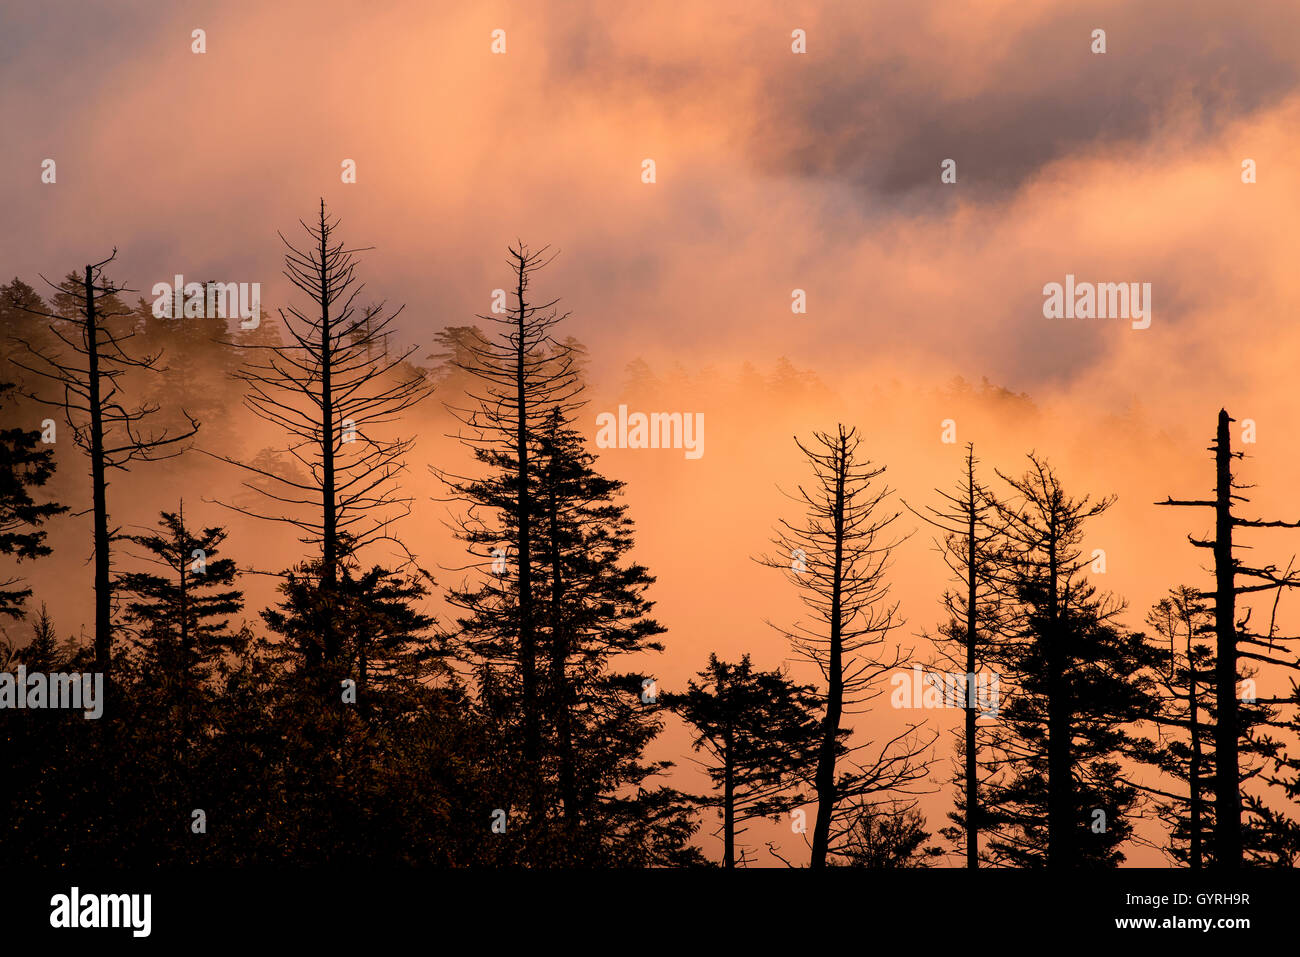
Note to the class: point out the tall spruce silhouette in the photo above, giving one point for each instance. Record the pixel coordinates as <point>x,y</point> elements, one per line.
<point>1077,681</point>
<point>837,557</point>
<point>599,718</point>
<point>562,602</point>
<point>523,377</point>
<point>1233,639</point>
<point>110,433</point>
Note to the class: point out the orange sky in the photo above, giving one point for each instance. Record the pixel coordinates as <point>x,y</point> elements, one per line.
<point>775,171</point>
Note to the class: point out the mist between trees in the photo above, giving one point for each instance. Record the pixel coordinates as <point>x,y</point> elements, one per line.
<point>359,601</point>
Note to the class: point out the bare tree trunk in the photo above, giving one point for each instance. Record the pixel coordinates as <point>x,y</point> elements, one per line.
<point>1060,823</point>
<point>329,537</point>
<point>728,806</point>
<point>103,624</point>
<point>1227,801</point>
<point>527,633</point>
<point>184,640</point>
<point>1194,768</point>
<point>559,659</point>
<point>972,580</point>
<point>825,781</point>
<point>966,538</point>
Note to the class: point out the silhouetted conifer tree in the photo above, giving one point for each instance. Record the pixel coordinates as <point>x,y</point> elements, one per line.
<point>182,616</point>
<point>762,733</point>
<point>524,377</point>
<point>1077,681</point>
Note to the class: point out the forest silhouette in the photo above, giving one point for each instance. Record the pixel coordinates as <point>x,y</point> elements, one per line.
<point>343,721</point>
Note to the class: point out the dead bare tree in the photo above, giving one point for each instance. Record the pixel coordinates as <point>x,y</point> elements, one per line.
<point>1233,639</point>
<point>970,532</point>
<point>332,387</point>
<point>108,432</point>
<point>838,556</point>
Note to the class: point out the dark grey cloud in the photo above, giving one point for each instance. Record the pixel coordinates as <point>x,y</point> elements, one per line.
<point>885,121</point>
<point>875,104</point>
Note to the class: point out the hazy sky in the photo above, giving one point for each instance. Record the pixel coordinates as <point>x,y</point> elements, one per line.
<point>775,171</point>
